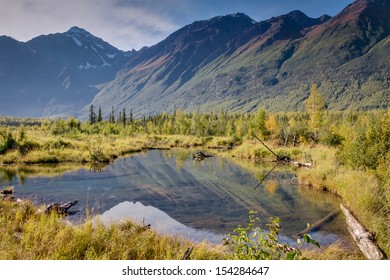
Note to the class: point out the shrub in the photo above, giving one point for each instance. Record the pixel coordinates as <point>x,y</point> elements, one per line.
<point>59,127</point>
<point>26,146</point>
<point>8,143</point>
<point>57,144</point>
<point>252,243</point>
<point>331,138</point>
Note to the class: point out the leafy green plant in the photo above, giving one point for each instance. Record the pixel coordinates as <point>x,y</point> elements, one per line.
<point>26,146</point>
<point>8,142</point>
<point>253,243</point>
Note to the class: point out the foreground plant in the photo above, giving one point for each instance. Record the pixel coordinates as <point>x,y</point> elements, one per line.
<point>253,243</point>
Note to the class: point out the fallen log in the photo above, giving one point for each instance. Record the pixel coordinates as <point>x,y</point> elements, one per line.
<point>200,155</point>
<point>363,238</point>
<point>158,148</point>
<point>7,191</point>
<point>286,159</point>
<point>61,209</point>
<point>266,146</point>
<point>317,225</point>
<point>279,158</point>
<point>302,164</point>
<point>6,194</point>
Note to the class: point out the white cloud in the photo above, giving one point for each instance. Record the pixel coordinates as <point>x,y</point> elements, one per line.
<point>125,24</point>
<point>129,24</point>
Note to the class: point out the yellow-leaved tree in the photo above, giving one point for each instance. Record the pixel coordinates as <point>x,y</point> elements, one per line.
<point>315,107</point>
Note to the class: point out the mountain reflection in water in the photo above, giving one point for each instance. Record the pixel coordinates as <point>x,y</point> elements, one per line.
<point>164,224</point>
<point>159,221</point>
<point>206,199</point>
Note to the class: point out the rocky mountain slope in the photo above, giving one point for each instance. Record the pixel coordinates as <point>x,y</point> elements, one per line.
<point>235,63</point>
<point>56,74</point>
<point>229,62</point>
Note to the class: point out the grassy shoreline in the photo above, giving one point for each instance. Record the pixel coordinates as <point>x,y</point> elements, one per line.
<point>26,234</point>
<point>92,148</point>
<point>359,190</point>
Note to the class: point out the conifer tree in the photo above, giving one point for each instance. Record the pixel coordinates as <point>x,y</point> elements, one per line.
<point>99,116</point>
<point>92,115</point>
<point>131,117</point>
<point>111,118</point>
<point>123,117</point>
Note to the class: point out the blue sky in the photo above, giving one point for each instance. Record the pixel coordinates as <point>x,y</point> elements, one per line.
<point>129,24</point>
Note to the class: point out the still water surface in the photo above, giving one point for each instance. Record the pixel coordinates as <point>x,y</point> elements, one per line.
<point>177,195</point>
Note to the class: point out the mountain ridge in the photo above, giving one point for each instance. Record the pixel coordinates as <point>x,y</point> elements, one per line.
<point>271,64</point>
<point>55,74</point>
<point>158,67</point>
<point>230,62</point>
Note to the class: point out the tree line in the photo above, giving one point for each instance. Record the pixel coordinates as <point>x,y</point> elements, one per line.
<point>122,118</point>
<point>362,137</point>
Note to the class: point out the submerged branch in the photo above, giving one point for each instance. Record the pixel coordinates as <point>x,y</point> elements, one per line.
<point>317,225</point>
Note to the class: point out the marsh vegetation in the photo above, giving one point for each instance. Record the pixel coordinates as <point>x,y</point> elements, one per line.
<point>350,150</point>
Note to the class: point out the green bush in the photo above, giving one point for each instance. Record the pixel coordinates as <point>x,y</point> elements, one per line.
<point>252,243</point>
<point>366,142</point>
<point>26,146</point>
<point>330,138</point>
<point>57,144</point>
<point>8,142</point>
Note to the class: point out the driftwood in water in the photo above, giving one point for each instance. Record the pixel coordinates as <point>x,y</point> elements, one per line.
<point>278,158</point>
<point>6,194</point>
<point>200,155</point>
<point>7,191</point>
<point>62,209</point>
<point>286,159</point>
<point>266,147</point>
<point>317,225</point>
<point>302,164</point>
<point>363,238</point>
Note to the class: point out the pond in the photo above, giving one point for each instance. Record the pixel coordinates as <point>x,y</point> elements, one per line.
<point>199,200</point>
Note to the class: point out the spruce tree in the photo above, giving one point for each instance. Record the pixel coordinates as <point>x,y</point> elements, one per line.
<point>99,117</point>
<point>131,117</point>
<point>111,118</point>
<point>92,115</point>
<point>123,117</point>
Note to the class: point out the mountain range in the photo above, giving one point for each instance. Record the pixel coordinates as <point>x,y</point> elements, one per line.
<point>56,74</point>
<point>230,62</point>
